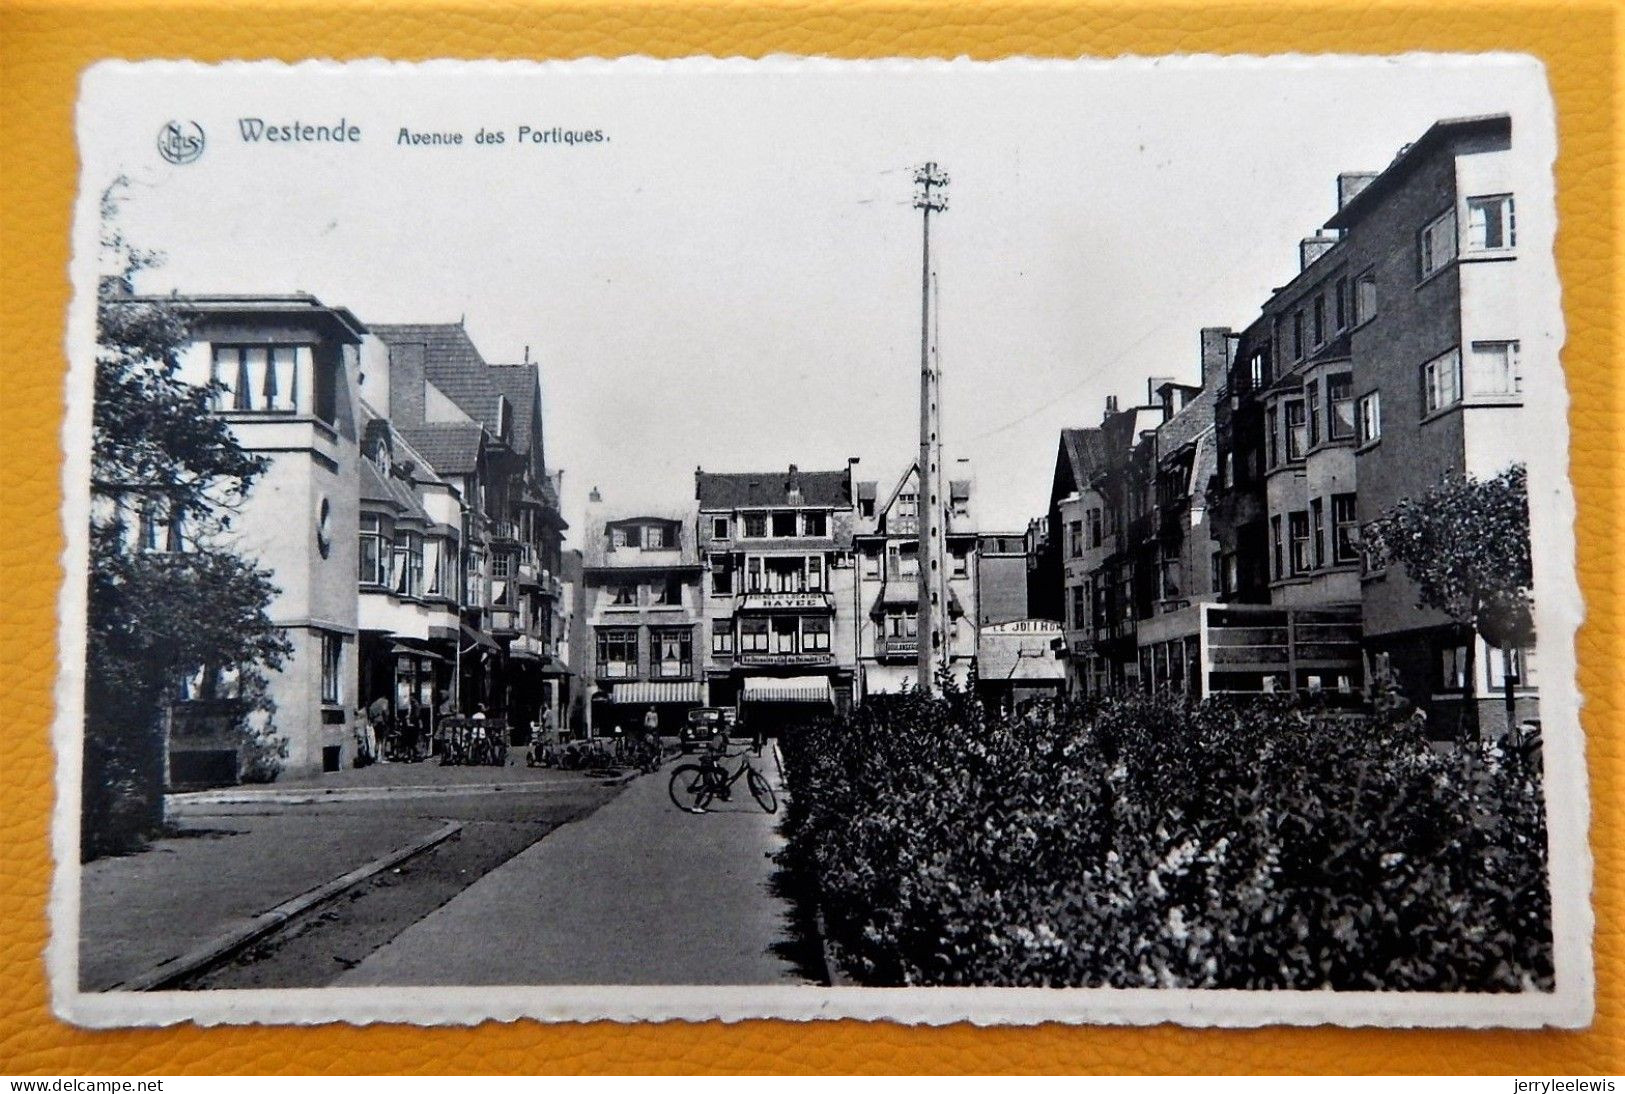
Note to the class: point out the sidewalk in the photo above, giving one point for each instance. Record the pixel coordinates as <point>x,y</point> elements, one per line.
<point>637,893</point>
<point>229,868</point>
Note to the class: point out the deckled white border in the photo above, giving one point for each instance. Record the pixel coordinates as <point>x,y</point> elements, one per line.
<point>1559,611</point>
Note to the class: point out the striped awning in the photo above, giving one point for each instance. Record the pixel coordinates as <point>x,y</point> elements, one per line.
<point>656,691</point>
<point>788,689</point>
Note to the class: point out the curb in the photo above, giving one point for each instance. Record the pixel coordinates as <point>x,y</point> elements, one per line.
<point>223,945</point>
<point>832,969</point>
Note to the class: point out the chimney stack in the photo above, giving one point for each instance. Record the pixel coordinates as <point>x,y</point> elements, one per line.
<point>594,497</point>
<point>1217,349</point>
<point>1111,405</point>
<point>1350,183</point>
<point>1312,248</point>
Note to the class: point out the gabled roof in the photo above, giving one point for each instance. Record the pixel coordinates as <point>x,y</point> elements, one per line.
<point>1084,450</point>
<point>452,448</point>
<point>521,385</point>
<point>452,363</point>
<point>748,489</point>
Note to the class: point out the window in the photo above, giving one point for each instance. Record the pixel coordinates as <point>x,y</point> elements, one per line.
<point>1317,518</point>
<point>815,633</point>
<point>871,563</point>
<point>786,631</point>
<point>255,378</point>
<point>1275,548</point>
<point>1314,414</point>
<point>1297,335</point>
<point>960,561</point>
<point>1495,668</point>
<point>815,574</point>
<point>1257,375</point>
<point>1368,418</point>
<point>719,527</point>
<point>1215,573</point>
<point>1490,223</point>
<point>1345,529</point>
<point>815,524</point>
<point>623,594</point>
<point>753,636</point>
<point>1493,369</point>
<point>1320,319</point>
<point>1297,433</point>
<point>902,625</point>
<point>1094,527</point>
<point>666,592</point>
<point>1074,538</point>
<point>409,564</point>
<point>1437,244</point>
<point>504,590</point>
<point>434,567</point>
<point>1298,527</point>
<point>375,551</point>
<point>332,667</point>
<point>1441,382</point>
<point>1342,303</point>
<point>1340,406</point>
<point>1365,298</point>
<point>1232,573</point>
<point>753,575</point>
<point>157,530</point>
<point>655,538</point>
<point>671,653</point>
<point>866,508</point>
<point>722,575</point>
<point>618,651</point>
<point>784,525</point>
<point>474,577</point>
<point>1080,606</point>
<point>756,525</point>
<point>1273,420</point>
<point>722,639</point>
<point>1452,667</point>
<point>622,536</point>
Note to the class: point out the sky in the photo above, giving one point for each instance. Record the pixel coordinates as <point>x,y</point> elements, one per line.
<point>731,278</point>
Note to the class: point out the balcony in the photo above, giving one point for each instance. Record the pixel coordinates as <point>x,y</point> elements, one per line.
<point>503,529</point>
<point>896,648</point>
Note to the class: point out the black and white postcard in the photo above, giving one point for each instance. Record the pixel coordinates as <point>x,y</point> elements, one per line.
<point>933,541</point>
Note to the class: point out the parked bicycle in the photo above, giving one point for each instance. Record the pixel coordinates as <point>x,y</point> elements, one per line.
<point>693,787</point>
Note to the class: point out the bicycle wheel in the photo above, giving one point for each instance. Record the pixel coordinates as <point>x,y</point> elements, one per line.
<point>761,791</point>
<point>689,788</point>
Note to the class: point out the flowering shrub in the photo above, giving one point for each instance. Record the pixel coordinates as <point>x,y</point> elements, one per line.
<point>1139,842</point>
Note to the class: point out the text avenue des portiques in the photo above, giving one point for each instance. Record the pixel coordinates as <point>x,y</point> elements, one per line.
<point>258,131</point>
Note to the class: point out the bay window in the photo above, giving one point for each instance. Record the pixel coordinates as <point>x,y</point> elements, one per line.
<point>1297,434</point>
<point>671,653</point>
<point>1298,528</point>
<point>753,636</point>
<point>1345,529</point>
<point>1340,406</point>
<point>815,634</point>
<point>618,652</point>
<point>376,551</point>
<point>409,564</point>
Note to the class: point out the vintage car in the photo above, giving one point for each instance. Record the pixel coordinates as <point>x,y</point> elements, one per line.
<point>702,724</point>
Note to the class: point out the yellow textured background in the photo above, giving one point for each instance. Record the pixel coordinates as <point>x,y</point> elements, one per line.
<point>43,48</point>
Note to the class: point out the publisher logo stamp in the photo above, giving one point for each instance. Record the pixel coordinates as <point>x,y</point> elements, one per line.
<point>180,142</point>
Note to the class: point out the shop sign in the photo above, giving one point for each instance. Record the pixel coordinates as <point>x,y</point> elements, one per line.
<point>785,601</point>
<point>783,658</point>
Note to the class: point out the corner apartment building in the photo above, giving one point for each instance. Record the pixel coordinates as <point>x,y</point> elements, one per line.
<point>645,618</point>
<point>885,540</point>
<point>780,596</point>
<point>1390,360</point>
<point>286,370</point>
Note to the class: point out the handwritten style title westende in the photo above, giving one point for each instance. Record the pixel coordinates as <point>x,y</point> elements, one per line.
<point>258,130</point>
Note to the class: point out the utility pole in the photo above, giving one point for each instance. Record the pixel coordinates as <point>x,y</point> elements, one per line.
<point>930,196</point>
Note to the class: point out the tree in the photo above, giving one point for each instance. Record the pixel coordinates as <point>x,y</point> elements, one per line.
<point>1465,545</point>
<point>166,598</point>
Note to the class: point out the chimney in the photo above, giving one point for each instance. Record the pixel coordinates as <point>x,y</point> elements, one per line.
<point>792,486</point>
<point>406,382</point>
<point>1111,405</point>
<point>1350,183</point>
<point>1217,347</point>
<point>594,497</point>
<point>1312,248</point>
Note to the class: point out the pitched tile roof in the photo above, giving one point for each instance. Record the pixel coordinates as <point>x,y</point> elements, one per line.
<point>452,448</point>
<point>519,383</point>
<point>1085,451</point>
<point>452,363</point>
<point>745,489</point>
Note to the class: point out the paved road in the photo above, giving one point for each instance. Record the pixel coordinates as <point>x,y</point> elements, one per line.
<point>636,893</point>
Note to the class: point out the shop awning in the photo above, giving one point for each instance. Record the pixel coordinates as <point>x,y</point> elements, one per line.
<point>788,689</point>
<point>656,691</point>
<point>480,639</point>
<point>401,649</point>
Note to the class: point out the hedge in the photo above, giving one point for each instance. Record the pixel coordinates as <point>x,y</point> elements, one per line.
<point>1140,842</point>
